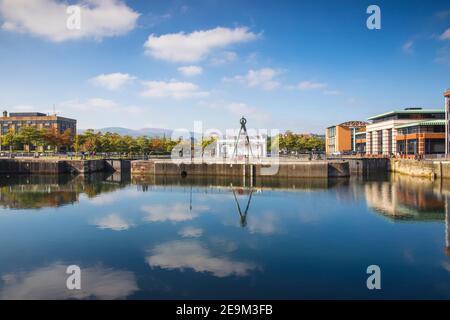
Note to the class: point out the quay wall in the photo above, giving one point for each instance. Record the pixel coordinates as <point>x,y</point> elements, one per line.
<point>424,168</point>
<point>306,169</point>
<point>48,166</point>
<point>11,166</point>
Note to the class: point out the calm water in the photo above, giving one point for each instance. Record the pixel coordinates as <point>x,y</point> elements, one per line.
<point>188,239</point>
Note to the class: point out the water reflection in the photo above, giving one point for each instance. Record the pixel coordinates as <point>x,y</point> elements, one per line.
<point>191,254</point>
<point>153,237</point>
<point>407,198</point>
<point>48,283</point>
<point>40,191</point>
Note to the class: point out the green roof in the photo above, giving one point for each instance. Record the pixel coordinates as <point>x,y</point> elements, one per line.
<point>411,111</point>
<point>422,123</point>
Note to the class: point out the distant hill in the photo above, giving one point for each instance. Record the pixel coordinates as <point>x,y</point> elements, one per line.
<point>149,132</point>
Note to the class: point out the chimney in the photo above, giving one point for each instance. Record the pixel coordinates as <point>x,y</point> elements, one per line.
<point>5,113</point>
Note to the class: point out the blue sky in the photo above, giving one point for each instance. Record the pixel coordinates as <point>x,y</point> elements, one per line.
<point>298,65</point>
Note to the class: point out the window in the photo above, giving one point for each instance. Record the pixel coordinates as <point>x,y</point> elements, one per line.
<point>412,146</point>
<point>434,146</point>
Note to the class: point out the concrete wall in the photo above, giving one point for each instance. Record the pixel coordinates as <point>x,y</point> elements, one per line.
<point>118,165</point>
<point>306,169</point>
<point>9,166</point>
<point>86,166</point>
<point>368,166</point>
<point>46,166</point>
<point>414,168</point>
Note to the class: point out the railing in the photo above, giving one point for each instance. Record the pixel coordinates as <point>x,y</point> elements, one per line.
<point>84,156</point>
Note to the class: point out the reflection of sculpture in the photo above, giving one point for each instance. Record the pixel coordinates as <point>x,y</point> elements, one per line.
<point>243,216</point>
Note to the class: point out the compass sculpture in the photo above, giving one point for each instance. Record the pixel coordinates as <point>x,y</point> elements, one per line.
<point>248,146</point>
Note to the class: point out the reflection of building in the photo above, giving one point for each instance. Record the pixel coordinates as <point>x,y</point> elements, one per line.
<point>258,145</point>
<point>403,199</point>
<point>420,131</point>
<point>447,225</point>
<point>41,191</point>
<point>16,121</point>
<point>345,137</point>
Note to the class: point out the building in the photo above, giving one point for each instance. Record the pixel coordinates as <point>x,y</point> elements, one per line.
<point>258,145</point>
<point>18,120</point>
<point>447,119</point>
<point>345,137</point>
<point>421,138</point>
<point>411,131</point>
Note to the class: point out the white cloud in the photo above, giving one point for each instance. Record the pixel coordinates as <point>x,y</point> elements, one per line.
<point>175,212</point>
<point>190,232</point>
<point>223,58</point>
<point>263,78</point>
<point>48,18</point>
<point>241,109</point>
<point>49,283</point>
<point>195,46</point>
<point>332,92</point>
<point>172,89</point>
<point>114,222</point>
<point>190,71</point>
<point>192,255</point>
<point>99,104</point>
<point>310,85</point>
<point>445,35</point>
<point>408,47</point>
<point>443,56</point>
<point>112,81</point>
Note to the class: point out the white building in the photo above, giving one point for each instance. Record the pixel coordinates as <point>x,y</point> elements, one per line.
<point>258,146</point>
<point>381,134</point>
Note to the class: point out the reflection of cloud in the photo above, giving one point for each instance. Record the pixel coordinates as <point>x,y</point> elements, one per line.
<point>190,232</point>
<point>192,255</point>
<point>176,212</point>
<point>113,222</point>
<point>49,283</point>
<point>446,266</point>
<point>111,197</point>
<point>263,223</point>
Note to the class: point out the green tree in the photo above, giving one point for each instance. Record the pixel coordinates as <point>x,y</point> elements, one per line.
<point>11,140</point>
<point>30,136</point>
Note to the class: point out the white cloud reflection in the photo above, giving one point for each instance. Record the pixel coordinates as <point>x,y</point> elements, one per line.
<point>49,283</point>
<point>190,254</point>
<point>172,212</point>
<point>114,222</point>
<point>191,232</point>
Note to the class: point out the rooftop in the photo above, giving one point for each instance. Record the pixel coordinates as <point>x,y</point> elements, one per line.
<point>27,114</point>
<point>407,111</point>
<point>422,123</point>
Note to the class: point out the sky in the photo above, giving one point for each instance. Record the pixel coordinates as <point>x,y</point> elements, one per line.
<point>287,65</point>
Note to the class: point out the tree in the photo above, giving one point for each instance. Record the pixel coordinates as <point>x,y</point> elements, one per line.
<point>143,144</point>
<point>11,139</point>
<point>206,142</point>
<point>30,136</point>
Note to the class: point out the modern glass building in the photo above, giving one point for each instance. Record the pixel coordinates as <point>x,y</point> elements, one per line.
<point>412,131</point>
